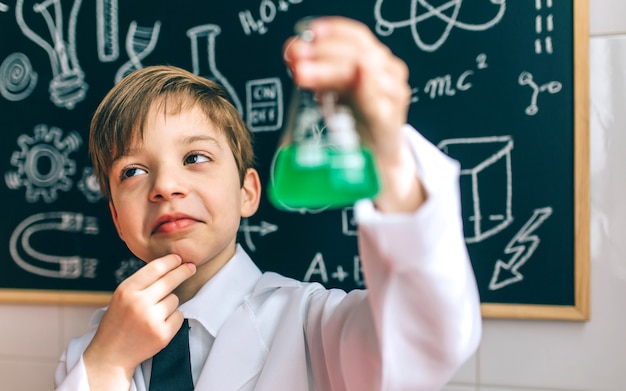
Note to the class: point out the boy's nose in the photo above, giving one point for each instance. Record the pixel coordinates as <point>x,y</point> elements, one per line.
<point>167,185</point>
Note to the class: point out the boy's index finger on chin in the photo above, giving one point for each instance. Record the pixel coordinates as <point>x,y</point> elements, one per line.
<point>154,270</point>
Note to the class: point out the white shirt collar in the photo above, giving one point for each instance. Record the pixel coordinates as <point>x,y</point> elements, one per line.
<point>223,293</point>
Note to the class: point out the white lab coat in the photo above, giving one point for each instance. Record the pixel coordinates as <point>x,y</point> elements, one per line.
<point>418,321</point>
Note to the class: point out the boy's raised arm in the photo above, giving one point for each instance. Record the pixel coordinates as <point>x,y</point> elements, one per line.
<point>422,302</point>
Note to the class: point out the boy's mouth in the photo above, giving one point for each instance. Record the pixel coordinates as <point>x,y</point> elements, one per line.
<point>172,223</point>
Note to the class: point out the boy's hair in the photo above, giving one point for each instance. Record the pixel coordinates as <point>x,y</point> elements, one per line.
<point>120,117</point>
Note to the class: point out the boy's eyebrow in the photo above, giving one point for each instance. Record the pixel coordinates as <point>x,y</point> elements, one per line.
<point>187,140</point>
<point>202,138</point>
<point>127,152</point>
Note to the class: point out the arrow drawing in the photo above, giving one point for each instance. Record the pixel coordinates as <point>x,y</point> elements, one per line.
<point>263,229</point>
<point>521,247</point>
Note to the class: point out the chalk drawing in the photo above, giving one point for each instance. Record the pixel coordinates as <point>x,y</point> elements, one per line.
<point>520,248</point>
<point>107,29</point>
<point>43,163</point>
<point>68,86</point>
<point>317,267</point>
<point>340,274</point>
<point>264,104</point>
<point>447,85</point>
<point>317,271</point>
<point>127,268</point>
<point>268,10</point>
<point>526,79</point>
<point>262,230</point>
<point>544,26</point>
<point>207,67</point>
<point>17,78</point>
<point>358,272</point>
<point>348,223</point>
<point>88,185</point>
<point>486,183</point>
<point>448,13</point>
<point>140,42</point>
<point>39,262</point>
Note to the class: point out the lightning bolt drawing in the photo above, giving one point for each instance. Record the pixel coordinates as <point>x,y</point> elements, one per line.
<point>521,247</point>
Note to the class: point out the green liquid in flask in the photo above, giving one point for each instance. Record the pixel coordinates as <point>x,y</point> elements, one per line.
<point>316,177</point>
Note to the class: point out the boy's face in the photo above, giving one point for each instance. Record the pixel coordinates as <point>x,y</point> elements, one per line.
<point>178,190</point>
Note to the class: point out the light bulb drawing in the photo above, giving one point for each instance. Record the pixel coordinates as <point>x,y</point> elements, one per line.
<point>210,32</point>
<point>140,42</point>
<point>68,86</point>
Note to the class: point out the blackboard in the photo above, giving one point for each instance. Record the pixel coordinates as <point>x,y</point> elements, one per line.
<point>500,85</point>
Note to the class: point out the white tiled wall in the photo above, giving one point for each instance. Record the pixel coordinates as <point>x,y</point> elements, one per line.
<point>514,355</point>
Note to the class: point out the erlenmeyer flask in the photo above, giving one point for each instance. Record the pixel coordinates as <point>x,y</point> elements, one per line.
<point>207,67</point>
<point>320,162</point>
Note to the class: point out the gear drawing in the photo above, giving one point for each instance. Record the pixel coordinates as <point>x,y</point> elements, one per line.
<point>43,163</point>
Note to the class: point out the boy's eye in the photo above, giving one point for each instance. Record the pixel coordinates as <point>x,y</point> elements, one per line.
<point>195,158</point>
<point>131,172</point>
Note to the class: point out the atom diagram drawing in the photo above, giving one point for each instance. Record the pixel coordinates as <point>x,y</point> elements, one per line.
<point>421,11</point>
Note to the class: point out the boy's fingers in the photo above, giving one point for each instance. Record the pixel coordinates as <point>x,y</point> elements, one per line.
<point>174,321</point>
<point>336,54</point>
<point>170,280</point>
<point>168,305</point>
<point>151,272</point>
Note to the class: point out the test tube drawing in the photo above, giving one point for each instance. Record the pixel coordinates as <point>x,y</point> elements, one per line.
<point>107,30</point>
<point>140,42</point>
<point>68,86</point>
<point>210,32</point>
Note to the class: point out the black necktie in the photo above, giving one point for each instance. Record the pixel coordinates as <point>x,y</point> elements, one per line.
<point>171,367</point>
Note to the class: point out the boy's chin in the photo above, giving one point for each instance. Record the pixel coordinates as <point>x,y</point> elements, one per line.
<point>193,254</point>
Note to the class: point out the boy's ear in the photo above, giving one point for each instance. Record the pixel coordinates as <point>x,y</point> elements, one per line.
<point>115,220</point>
<point>250,193</point>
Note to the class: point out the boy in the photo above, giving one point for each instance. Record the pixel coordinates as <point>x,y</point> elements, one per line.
<point>175,161</point>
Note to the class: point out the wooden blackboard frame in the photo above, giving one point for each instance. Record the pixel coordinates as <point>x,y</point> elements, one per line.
<point>579,311</point>
<point>61,297</point>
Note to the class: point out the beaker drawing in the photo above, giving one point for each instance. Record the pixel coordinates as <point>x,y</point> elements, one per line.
<point>208,69</point>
